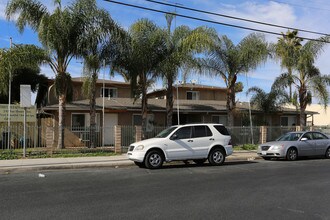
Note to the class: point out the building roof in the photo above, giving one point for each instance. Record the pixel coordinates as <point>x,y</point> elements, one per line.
<point>99,81</point>
<point>185,106</point>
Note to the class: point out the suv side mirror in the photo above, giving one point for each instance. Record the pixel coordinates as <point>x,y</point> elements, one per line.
<point>174,137</point>
<point>303,139</point>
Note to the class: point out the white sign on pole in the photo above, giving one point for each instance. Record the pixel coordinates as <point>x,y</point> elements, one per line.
<point>25,95</point>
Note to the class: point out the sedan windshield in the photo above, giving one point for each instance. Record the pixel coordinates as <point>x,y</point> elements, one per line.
<point>166,132</point>
<point>290,137</point>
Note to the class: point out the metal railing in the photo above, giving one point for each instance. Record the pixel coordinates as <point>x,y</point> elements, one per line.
<point>42,136</point>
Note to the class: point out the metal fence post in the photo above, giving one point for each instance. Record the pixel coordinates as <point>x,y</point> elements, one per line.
<point>118,139</point>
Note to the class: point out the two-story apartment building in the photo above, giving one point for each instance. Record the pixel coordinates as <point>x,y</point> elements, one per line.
<point>193,103</point>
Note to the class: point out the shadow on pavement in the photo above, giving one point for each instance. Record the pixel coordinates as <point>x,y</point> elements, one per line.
<point>192,164</point>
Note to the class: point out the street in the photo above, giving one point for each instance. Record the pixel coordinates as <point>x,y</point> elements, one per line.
<point>238,190</point>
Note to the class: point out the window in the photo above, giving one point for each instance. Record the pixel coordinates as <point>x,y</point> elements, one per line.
<point>318,136</point>
<point>222,130</point>
<point>219,119</point>
<point>192,95</point>
<point>308,136</point>
<point>137,120</point>
<point>288,120</point>
<point>78,120</point>
<point>184,133</point>
<point>81,121</point>
<point>109,92</point>
<point>201,131</point>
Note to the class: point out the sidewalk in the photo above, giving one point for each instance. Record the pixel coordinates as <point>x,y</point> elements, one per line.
<point>21,165</point>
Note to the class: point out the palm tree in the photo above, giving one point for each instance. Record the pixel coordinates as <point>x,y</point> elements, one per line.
<point>22,63</point>
<point>268,102</point>
<point>307,78</point>
<point>228,61</point>
<point>145,46</point>
<point>181,44</point>
<point>99,28</point>
<point>59,32</point>
<point>286,50</point>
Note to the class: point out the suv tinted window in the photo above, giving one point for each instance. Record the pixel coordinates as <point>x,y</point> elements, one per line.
<point>201,131</point>
<point>222,130</point>
<point>184,132</point>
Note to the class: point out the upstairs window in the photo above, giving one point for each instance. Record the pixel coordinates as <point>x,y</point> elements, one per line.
<point>109,92</point>
<point>192,95</point>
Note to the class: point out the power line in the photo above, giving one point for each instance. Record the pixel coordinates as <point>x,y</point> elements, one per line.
<point>302,6</point>
<point>209,21</point>
<point>236,18</point>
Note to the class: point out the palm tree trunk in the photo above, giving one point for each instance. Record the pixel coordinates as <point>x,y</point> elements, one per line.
<point>169,101</point>
<point>61,121</point>
<point>92,112</point>
<point>144,108</point>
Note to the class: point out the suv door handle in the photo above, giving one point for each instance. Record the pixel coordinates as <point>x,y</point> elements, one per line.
<point>211,139</point>
<point>190,141</point>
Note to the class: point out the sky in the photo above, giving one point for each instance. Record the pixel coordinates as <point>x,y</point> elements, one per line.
<point>300,14</point>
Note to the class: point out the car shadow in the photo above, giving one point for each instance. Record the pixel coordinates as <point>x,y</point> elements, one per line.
<point>175,165</point>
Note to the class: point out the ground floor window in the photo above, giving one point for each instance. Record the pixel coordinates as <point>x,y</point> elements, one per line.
<point>81,121</point>
<point>288,120</point>
<point>219,119</point>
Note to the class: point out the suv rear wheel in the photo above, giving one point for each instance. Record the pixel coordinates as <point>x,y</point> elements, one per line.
<point>217,157</point>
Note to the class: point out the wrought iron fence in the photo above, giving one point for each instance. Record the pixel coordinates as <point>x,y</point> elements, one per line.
<point>244,135</point>
<point>43,136</point>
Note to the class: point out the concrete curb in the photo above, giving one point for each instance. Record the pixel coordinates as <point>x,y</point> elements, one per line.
<point>62,163</point>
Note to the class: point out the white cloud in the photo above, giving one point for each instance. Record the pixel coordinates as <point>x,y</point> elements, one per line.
<point>3,5</point>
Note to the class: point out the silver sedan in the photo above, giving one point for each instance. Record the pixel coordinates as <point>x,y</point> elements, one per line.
<point>295,144</point>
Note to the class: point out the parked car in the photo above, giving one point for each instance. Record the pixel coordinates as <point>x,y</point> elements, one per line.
<point>295,144</point>
<point>197,142</point>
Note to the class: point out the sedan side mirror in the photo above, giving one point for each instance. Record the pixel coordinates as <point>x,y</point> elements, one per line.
<point>303,139</point>
<point>174,137</point>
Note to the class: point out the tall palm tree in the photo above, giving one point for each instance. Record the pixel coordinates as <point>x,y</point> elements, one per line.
<point>268,102</point>
<point>181,45</point>
<point>307,78</point>
<point>145,47</point>
<point>286,49</point>
<point>228,61</point>
<point>59,32</point>
<point>100,27</point>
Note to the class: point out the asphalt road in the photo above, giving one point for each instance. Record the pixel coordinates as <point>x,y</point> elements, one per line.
<point>237,190</point>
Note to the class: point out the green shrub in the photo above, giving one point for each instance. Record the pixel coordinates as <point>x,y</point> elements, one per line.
<point>8,155</point>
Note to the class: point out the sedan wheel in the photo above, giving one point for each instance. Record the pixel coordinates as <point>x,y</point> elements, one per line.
<point>327,153</point>
<point>216,157</point>
<point>292,154</point>
<point>154,159</point>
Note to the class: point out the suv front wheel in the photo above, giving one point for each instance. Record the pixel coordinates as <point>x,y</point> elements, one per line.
<point>216,157</point>
<point>154,159</point>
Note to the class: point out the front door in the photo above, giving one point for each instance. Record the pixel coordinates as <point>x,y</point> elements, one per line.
<point>110,120</point>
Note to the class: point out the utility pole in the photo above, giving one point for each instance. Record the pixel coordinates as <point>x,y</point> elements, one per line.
<point>9,97</point>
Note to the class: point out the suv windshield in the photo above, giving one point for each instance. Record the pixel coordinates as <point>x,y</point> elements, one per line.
<point>290,137</point>
<point>166,132</point>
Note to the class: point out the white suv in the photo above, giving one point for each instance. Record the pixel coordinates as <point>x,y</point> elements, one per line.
<point>197,142</point>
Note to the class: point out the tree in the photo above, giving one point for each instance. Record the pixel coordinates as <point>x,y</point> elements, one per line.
<point>22,63</point>
<point>145,46</point>
<point>99,28</point>
<point>181,45</point>
<point>228,61</point>
<point>268,102</point>
<point>286,50</point>
<point>306,78</point>
<point>59,32</point>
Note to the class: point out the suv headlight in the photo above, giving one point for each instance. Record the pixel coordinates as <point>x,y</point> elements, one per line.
<point>140,147</point>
